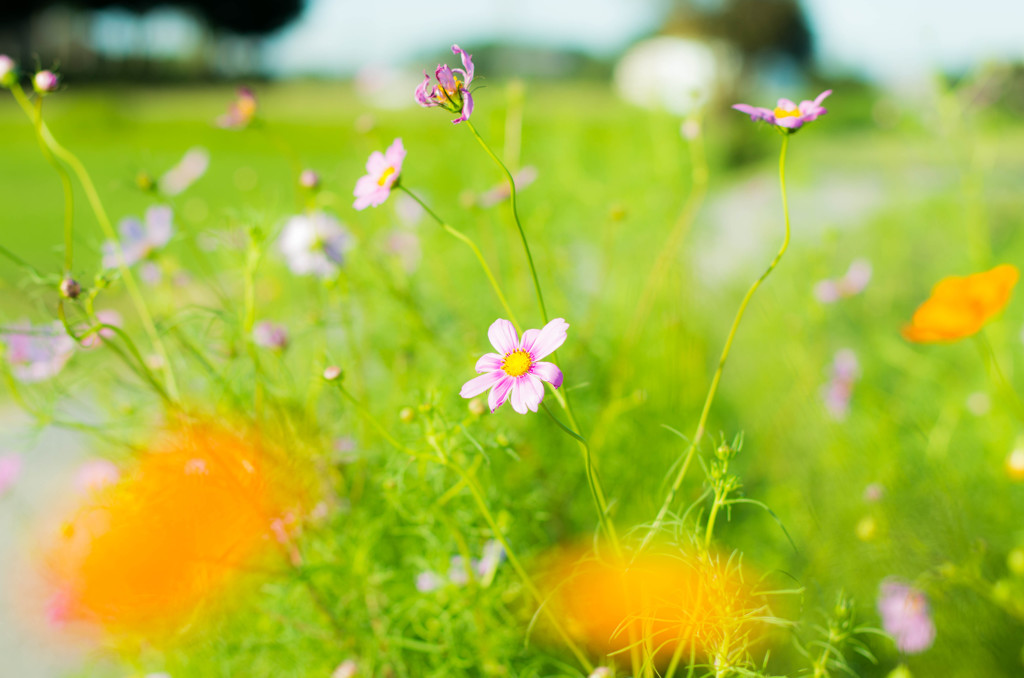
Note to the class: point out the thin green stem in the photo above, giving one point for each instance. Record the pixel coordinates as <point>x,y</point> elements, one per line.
<point>476,251</point>
<point>65,182</point>
<point>988,354</point>
<point>108,230</point>
<point>713,389</point>
<point>515,216</point>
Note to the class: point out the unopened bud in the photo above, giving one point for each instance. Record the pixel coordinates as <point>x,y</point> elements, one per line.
<point>69,288</point>
<point>407,414</point>
<point>45,82</point>
<point>309,179</point>
<point>144,180</point>
<point>8,71</point>
<point>477,406</point>
<point>332,373</point>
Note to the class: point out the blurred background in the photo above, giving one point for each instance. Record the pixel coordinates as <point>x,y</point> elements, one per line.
<point>914,174</point>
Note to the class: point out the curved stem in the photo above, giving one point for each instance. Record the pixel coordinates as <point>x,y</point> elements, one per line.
<point>65,182</point>
<point>108,230</point>
<point>476,251</point>
<point>713,389</point>
<point>515,216</point>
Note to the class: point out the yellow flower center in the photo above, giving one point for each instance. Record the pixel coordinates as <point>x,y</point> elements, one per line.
<point>517,363</point>
<point>384,177</point>
<point>783,113</point>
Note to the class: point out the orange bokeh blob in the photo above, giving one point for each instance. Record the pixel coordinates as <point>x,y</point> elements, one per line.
<point>960,306</point>
<point>663,600</point>
<point>149,551</point>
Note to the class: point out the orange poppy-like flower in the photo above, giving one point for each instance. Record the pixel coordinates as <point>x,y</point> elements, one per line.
<point>960,306</point>
<point>145,553</point>
<point>665,599</point>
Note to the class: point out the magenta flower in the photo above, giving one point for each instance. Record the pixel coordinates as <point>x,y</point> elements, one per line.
<point>787,115</point>
<point>241,111</point>
<point>10,469</point>
<point>192,166</point>
<point>382,172</point>
<point>851,284</point>
<point>451,91</point>
<point>139,239</point>
<point>906,617</point>
<point>515,372</point>
<point>270,335</point>
<point>36,353</point>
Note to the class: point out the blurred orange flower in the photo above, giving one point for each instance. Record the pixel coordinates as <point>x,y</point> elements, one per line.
<point>960,306</point>
<point>670,601</point>
<point>145,553</point>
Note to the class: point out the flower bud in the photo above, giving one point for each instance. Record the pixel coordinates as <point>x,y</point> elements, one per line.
<point>309,179</point>
<point>45,82</point>
<point>477,406</point>
<point>8,71</point>
<point>332,373</point>
<point>407,414</point>
<point>69,288</point>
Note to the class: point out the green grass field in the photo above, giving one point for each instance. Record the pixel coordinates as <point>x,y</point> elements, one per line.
<point>928,193</point>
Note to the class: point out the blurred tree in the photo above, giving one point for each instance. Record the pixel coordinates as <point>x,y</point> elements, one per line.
<point>758,28</point>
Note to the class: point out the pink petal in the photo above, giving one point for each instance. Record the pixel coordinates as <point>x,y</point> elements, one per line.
<point>395,155</point>
<point>503,336</point>
<point>821,97</point>
<point>549,372</point>
<point>489,362</point>
<point>786,104</point>
<point>497,396</point>
<point>478,385</point>
<point>532,391</point>
<point>545,342</point>
<point>376,164</point>
<point>518,402</point>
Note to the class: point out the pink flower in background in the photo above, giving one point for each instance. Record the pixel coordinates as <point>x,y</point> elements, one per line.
<point>452,89</point>
<point>314,244</point>
<point>45,82</point>
<point>501,192</point>
<point>787,115</point>
<point>270,335</point>
<point>852,283</point>
<point>8,71</point>
<point>838,391</point>
<point>382,172</point>
<point>104,317</point>
<point>906,617</point>
<point>309,179</point>
<point>10,469</point>
<point>347,669</point>
<point>241,111</point>
<point>185,173</point>
<point>96,474</point>
<point>406,246</point>
<point>36,353</point>
<point>516,371</point>
<point>139,239</point>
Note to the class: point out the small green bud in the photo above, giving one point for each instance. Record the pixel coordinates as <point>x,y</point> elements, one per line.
<point>407,415</point>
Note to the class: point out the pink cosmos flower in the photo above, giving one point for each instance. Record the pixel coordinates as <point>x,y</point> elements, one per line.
<point>36,353</point>
<point>501,192</point>
<point>45,82</point>
<point>838,391</point>
<point>787,115</point>
<point>270,335</point>
<point>140,239</point>
<point>94,475</point>
<point>515,372</point>
<point>192,166</point>
<point>309,179</point>
<point>382,172</point>
<point>451,91</point>
<point>852,283</point>
<point>906,617</point>
<point>10,469</point>
<point>241,112</point>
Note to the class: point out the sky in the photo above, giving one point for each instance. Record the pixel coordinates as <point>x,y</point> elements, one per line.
<point>883,39</point>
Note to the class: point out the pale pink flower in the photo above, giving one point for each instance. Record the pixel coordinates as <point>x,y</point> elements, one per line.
<point>516,371</point>
<point>309,179</point>
<point>874,492</point>
<point>8,71</point>
<point>347,669</point>
<point>838,391</point>
<point>45,82</point>
<point>270,335</point>
<point>140,239</point>
<point>241,111</point>
<point>452,89</point>
<point>382,172</point>
<point>192,166</point>
<point>10,469</point>
<point>36,353</point>
<point>96,474</point>
<point>852,283</point>
<point>786,115</point>
<point>906,617</point>
<point>502,192</point>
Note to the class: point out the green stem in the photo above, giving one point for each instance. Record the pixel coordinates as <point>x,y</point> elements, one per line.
<point>515,216</point>
<point>988,354</point>
<point>108,230</point>
<point>713,389</point>
<point>65,182</point>
<point>476,251</point>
